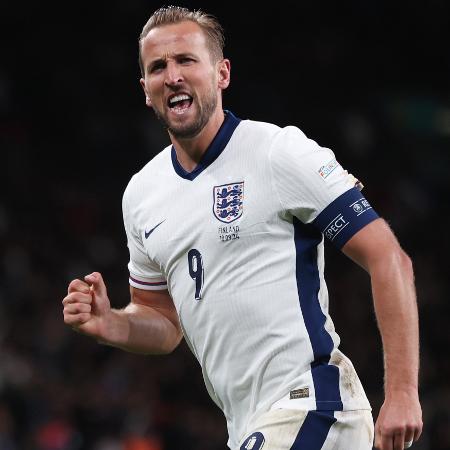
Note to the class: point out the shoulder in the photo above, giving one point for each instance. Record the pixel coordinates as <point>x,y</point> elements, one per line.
<point>292,152</point>
<point>263,137</point>
<point>253,130</point>
<point>292,136</point>
<point>149,174</point>
<point>273,143</point>
<point>289,146</point>
<point>273,135</point>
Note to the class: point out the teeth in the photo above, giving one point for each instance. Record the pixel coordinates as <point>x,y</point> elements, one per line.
<point>178,98</point>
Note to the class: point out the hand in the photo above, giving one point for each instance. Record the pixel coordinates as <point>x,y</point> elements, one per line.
<point>399,421</point>
<point>87,306</point>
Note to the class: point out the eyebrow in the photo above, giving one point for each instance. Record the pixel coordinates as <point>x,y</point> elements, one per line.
<point>163,60</point>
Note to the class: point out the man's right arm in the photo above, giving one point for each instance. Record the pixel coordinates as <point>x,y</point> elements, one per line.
<point>148,325</point>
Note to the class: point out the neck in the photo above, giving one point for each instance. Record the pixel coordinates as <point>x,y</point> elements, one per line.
<point>190,151</point>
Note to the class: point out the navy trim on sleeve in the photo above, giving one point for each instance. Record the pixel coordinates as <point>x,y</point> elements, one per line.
<point>344,217</point>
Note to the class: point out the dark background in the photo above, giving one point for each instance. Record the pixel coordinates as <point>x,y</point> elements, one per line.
<point>368,79</point>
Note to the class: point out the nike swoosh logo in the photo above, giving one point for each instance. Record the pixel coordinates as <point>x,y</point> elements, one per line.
<point>148,233</point>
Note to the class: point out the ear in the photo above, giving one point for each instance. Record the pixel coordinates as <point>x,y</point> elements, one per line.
<point>224,68</point>
<point>148,102</point>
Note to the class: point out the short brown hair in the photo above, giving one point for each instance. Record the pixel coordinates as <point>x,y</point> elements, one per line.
<point>168,15</point>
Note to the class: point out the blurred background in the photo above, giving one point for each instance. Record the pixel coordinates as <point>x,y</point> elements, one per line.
<point>368,79</point>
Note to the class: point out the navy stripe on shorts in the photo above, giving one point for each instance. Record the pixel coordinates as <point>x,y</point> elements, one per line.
<point>314,430</point>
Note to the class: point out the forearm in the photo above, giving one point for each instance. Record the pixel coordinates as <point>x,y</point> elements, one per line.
<point>141,329</point>
<point>376,249</point>
<point>396,311</point>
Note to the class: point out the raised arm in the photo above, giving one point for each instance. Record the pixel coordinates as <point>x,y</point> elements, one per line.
<point>148,325</point>
<point>376,249</point>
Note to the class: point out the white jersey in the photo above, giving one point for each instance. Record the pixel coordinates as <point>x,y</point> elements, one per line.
<point>238,243</point>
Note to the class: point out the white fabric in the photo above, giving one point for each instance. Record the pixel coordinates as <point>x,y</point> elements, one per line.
<point>247,330</point>
<point>280,427</point>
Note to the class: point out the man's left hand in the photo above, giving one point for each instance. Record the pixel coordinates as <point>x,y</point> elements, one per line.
<point>399,422</point>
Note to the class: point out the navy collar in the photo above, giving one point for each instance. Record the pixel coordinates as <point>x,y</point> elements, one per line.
<point>216,147</point>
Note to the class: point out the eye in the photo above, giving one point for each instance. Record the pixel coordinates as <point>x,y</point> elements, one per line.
<point>186,60</point>
<point>157,67</point>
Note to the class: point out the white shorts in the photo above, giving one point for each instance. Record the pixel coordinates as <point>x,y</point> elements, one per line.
<point>288,429</point>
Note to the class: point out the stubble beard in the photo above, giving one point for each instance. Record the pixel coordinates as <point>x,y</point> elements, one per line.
<point>190,130</point>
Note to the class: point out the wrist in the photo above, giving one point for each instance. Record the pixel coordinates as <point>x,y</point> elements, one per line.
<point>401,390</point>
<point>116,329</point>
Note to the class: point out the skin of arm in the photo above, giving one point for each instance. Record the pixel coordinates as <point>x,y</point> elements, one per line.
<point>376,249</point>
<point>147,325</point>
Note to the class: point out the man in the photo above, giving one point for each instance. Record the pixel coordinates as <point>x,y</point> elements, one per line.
<point>225,232</point>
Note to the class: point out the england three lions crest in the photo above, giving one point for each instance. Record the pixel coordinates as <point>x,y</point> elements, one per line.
<point>228,201</point>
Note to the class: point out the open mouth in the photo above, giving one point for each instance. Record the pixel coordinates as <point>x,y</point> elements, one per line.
<point>179,103</point>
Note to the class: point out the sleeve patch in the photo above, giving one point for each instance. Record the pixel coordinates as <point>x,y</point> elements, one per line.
<point>325,170</point>
<point>345,216</point>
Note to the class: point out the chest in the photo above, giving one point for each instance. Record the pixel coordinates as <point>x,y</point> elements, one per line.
<point>214,211</point>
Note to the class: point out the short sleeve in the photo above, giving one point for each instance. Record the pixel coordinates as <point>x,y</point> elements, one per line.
<point>144,273</point>
<point>315,188</point>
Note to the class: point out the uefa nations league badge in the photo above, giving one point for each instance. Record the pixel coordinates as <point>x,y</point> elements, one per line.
<point>228,201</point>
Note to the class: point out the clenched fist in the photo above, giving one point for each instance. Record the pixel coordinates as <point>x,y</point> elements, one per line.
<point>87,307</point>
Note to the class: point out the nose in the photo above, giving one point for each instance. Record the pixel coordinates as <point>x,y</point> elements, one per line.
<point>173,74</point>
